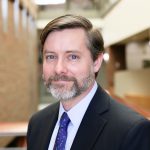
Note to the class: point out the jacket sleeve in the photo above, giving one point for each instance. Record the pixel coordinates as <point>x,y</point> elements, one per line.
<point>28,135</point>
<point>138,136</point>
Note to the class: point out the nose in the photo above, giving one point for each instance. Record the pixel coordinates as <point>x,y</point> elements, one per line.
<point>61,67</point>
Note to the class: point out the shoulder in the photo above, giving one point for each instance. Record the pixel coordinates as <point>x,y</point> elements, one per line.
<point>129,125</point>
<point>137,137</point>
<point>123,115</point>
<point>126,125</point>
<point>118,116</point>
<point>42,117</point>
<point>116,111</point>
<point>45,113</point>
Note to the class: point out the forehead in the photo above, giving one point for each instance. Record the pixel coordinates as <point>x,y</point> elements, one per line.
<point>77,30</point>
<point>66,37</point>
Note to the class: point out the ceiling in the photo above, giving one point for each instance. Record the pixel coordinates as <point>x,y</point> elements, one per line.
<point>92,9</point>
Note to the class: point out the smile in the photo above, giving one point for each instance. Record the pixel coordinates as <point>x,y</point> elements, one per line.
<point>61,82</point>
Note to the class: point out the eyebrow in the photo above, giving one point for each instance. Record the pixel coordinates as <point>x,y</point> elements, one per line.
<point>47,51</point>
<point>68,51</point>
<point>72,51</point>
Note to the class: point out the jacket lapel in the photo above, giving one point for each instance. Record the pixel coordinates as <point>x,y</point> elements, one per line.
<point>93,123</point>
<point>49,124</point>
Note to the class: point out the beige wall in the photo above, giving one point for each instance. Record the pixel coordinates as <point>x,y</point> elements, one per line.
<point>132,82</point>
<point>126,19</point>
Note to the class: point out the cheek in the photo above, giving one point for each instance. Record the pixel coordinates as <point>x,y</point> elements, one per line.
<point>82,70</point>
<point>46,71</point>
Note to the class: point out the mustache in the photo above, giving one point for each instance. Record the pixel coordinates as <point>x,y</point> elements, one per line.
<point>61,78</point>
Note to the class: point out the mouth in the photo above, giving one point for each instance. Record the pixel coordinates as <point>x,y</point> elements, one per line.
<point>60,81</point>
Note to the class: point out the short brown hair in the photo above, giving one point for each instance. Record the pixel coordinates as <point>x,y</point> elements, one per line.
<point>95,41</point>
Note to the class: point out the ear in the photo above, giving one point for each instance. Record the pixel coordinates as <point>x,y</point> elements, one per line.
<point>98,62</point>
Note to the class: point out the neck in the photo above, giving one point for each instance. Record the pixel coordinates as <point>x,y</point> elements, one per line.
<point>68,104</point>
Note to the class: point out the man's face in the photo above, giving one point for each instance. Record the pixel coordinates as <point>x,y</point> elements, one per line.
<point>68,68</point>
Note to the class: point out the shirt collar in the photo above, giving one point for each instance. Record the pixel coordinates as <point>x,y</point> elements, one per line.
<point>77,112</point>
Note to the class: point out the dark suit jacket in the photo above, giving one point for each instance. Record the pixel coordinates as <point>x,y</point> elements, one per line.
<point>107,125</point>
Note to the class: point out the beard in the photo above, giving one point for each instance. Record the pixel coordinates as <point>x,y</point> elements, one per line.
<point>64,92</point>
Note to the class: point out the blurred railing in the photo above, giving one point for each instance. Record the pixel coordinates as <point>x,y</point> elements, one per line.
<point>18,130</point>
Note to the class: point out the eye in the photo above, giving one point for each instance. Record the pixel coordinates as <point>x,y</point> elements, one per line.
<point>50,57</point>
<point>73,57</point>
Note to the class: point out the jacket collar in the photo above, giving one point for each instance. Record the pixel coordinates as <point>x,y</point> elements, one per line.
<point>49,124</point>
<point>93,122</point>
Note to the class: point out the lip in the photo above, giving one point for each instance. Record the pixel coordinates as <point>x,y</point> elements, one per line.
<point>60,82</point>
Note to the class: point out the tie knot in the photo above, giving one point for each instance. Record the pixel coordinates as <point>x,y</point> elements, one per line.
<point>64,120</point>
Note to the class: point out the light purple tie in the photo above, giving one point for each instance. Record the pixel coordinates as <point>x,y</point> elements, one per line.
<point>62,133</point>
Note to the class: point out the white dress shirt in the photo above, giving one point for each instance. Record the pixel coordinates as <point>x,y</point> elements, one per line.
<point>75,114</point>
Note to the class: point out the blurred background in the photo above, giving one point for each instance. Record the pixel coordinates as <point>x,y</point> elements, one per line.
<point>125,72</point>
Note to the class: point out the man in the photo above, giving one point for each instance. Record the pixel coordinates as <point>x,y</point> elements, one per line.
<point>72,56</point>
